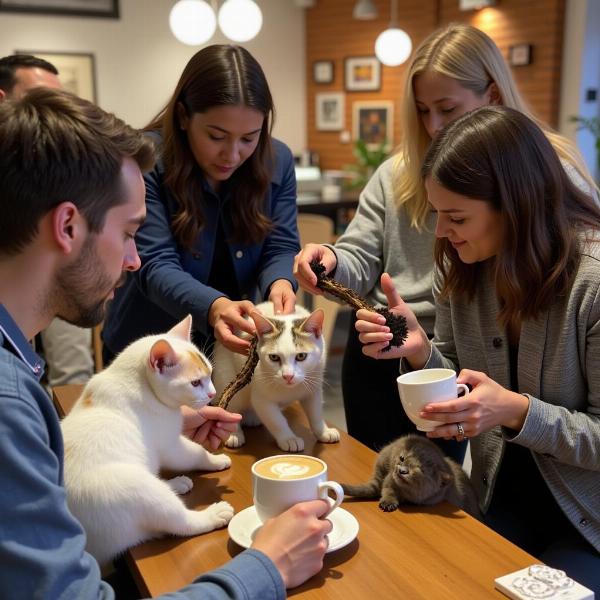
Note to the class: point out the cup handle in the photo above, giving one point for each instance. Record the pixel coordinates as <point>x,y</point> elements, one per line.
<point>464,387</point>
<point>334,486</point>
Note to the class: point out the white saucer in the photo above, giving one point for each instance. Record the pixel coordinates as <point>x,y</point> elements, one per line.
<point>243,527</point>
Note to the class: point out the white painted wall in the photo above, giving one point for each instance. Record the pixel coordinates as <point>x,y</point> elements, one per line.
<point>138,61</point>
<point>581,71</point>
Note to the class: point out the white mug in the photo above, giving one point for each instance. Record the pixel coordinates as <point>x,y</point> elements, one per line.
<point>419,388</point>
<point>279,482</point>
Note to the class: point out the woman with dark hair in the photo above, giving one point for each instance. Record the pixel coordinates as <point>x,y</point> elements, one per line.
<point>518,312</point>
<point>221,224</point>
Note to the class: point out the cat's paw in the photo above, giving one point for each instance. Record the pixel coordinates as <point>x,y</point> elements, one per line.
<point>181,485</point>
<point>329,435</point>
<point>293,444</point>
<point>219,513</point>
<point>218,462</point>
<point>235,440</point>
<point>388,505</point>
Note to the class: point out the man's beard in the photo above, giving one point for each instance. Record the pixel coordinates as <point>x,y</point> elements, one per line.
<point>79,283</point>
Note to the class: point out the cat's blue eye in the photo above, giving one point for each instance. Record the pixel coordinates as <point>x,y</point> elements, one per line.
<point>301,356</point>
<point>274,358</point>
<point>196,382</point>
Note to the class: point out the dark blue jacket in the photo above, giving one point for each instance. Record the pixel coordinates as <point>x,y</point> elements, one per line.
<point>172,280</point>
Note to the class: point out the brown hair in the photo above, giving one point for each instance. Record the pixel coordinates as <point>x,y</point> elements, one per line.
<point>215,76</point>
<point>499,155</point>
<point>56,147</point>
<point>10,64</point>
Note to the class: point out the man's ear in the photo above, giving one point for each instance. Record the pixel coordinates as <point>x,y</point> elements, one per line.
<point>68,226</point>
<point>2,95</point>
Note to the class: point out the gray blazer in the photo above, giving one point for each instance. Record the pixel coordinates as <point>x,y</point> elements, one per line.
<point>558,368</point>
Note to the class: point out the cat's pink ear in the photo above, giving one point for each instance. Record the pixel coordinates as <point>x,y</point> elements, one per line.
<point>162,355</point>
<point>183,329</point>
<point>314,323</point>
<point>263,325</point>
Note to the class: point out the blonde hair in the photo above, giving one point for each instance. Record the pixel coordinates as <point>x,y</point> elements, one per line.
<point>469,56</point>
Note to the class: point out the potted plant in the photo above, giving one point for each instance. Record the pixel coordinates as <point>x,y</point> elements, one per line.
<point>368,158</point>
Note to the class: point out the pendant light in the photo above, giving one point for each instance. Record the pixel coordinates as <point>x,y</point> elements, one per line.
<point>192,22</point>
<point>393,46</point>
<point>240,20</point>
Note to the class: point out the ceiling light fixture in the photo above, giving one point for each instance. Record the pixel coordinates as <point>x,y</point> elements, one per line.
<point>364,10</point>
<point>393,46</point>
<point>240,20</point>
<point>192,22</point>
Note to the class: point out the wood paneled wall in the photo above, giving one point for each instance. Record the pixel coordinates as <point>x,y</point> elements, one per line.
<point>332,34</point>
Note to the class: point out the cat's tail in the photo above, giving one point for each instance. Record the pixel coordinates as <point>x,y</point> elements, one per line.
<point>364,490</point>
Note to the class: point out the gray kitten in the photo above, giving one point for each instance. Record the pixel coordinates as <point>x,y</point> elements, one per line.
<point>413,469</point>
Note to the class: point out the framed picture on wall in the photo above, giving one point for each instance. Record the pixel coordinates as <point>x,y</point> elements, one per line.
<point>520,55</point>
<point>330,110</point>
<point>362,73</point>
<point>323,71</point>
<point>76,72</point>
<point>373,122</point>
<point>81,8</point>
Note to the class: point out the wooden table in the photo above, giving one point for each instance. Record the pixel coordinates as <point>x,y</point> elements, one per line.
<point>429,553</point>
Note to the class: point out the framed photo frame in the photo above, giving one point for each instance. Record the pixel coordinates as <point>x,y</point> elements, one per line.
<point>76,72</point>
<point>323,71</point>
<point>362,74</point>
<point>82,8</point>
<point>373,122</point>
<point>520,55</point>
<point>330,110</point>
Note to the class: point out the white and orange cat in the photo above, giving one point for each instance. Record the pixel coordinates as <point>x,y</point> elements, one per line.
<point>290,367</point>
<point>124,428</point>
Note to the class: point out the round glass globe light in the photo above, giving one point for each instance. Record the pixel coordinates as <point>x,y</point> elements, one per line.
<point>192,22</point>
<point>240,20</point>
<point>393,47</point>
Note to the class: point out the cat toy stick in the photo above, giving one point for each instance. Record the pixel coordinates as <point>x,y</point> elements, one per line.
<point>396,323</point>
<point>242,378</point>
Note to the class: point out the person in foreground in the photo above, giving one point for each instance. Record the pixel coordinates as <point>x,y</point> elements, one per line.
<point>67,348</point>
<point>455,69</point>
<point>66,237</point>
<point>518,312</point>
<point>221,206</point>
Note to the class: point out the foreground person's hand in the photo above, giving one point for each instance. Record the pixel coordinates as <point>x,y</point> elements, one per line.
<point>295,541</point>
<point>209,425</point>
<point>227,317</point>
<point>283,297</point>
<point>376,336</point>
<point>307,280</point>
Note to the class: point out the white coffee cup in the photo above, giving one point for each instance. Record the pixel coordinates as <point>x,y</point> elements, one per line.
<point>419,388</point>
<point>283,480</point>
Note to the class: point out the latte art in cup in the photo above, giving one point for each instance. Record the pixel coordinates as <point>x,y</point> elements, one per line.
<point>293,467</point>
<point>281,481</point>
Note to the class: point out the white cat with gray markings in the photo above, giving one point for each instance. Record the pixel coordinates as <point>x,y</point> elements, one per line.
<point>290,369</point>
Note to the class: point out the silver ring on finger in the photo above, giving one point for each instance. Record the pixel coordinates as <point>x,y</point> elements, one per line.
<point>460,436</point>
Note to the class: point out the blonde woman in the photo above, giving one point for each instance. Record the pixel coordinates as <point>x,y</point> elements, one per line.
<point>455,70</point>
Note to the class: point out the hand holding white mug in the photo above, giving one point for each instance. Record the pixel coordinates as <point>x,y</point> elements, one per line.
<point>487,406</point>
<point>296,541</point>
<point>376,336</point>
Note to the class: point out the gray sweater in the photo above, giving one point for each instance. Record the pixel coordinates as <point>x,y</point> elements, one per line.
<point>558,369</point>
<point>380,239</point>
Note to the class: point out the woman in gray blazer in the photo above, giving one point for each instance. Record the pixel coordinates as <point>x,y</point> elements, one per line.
<point>518,312</point>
